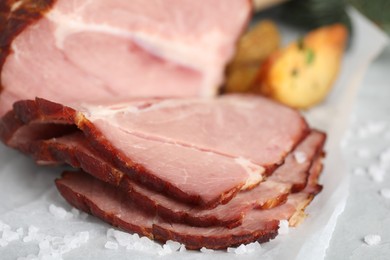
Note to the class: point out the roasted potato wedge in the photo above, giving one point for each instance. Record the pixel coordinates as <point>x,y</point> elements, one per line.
<point>252,49</point>
<point>302,74</point>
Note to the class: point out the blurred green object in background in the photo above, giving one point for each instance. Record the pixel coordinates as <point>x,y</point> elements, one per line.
<point>311,14</point>
<point>377,11</point>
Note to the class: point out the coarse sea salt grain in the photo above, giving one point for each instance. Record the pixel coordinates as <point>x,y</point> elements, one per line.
<point>372,240</point>
<point>300,157</point>
<point>173,245</point>
<point>9,235</point>
<point>111,245</point>
<point>377,172</point>
<point>59,212</point>
<point>385,193</point>
<point>20,231</point>
<point>253,247</point>
<point>384,157</point>
<point>182,248</point>
<point>359,171</point>
<point>206,250</point>
<point>283,227</point>
<point>123,238</point>
<point>241,250</point>
<point>363,153</point>
<point>3,242</point>
<point>166,250</point>
<point>4,226</point>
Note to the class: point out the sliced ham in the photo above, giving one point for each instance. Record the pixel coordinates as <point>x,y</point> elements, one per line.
<point>291,176</point>
<point>65,50</point>
<point>213,155</point>
<point>108,203</point>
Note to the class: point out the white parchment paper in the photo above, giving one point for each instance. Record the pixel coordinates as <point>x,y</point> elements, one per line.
<point>26,190</point>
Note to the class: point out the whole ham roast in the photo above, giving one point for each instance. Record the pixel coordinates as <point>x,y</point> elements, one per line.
<point>126,93</point>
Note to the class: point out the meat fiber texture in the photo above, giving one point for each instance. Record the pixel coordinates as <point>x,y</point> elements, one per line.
<point>98,50</point>
<point>290,177</point>
<point>111,205</point>
<point>180,167</point>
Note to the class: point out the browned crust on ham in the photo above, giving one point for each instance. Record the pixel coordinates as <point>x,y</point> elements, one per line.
<point>265,234</point>
<point>15,16</point>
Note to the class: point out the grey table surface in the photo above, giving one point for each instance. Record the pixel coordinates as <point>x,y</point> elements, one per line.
<point>366,211</point>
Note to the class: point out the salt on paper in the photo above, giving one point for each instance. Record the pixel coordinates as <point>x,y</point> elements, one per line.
<point>9,235</point>
<point>377,172</point>
<point>206,250</point>
<point>59,212</point>
<point>385,193</point>
<point>359,171</point>
<point>363,153</point>
<point>182,248</point>
<point>372,240</point>
<point>111,245</point>
<point>384,157</point>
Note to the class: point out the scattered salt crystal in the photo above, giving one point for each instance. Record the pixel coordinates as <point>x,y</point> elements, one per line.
<point>110,233</point>
<point>111,245</point>
<point>10,235</point>
<point>283,227</point>
<point>4,226</point>
<point>241,250</point>
<point>20,231</point>
<point>182,248</point>
<point>32,230</point>
<point>122,238</point>
<point>376,172</point>
<point>230,249</point>
<point>253,247</point>
<point>83,236</point>
<point>359,171</point>
<point>384,157</point>
<point>59,212</point>
<point>44,247</point>
<point>166,250</point>
<point>300,157</point>
<point>372,240</point>
<point>3,242</point>
<point>376,127</point>
<point>363,153</point>
<point>206,250</point>
<point>385,193</point>
<point>173,245</point>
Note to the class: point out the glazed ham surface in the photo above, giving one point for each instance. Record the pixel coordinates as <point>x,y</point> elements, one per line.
<point>99,50</point>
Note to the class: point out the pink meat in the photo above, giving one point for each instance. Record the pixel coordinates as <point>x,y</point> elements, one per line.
<point>291,176</point>
<point>109,204</point>
<point>98,50</point>
<point>253,128</point>
<point>180,168</point>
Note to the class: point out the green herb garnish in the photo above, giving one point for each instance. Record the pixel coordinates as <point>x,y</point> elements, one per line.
<point>310,56</point>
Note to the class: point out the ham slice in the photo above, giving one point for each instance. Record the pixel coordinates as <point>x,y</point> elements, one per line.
<point>179,167</point>
<point>108,203</point>
<point>65,50</point>
<point>291,176</point>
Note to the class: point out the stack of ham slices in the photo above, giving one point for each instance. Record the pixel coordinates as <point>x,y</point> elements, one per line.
<point>124,97</point>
